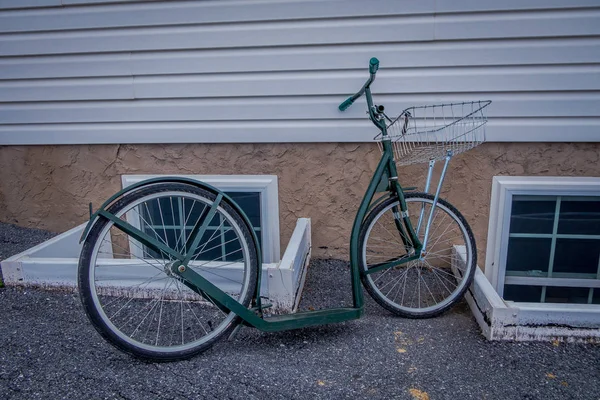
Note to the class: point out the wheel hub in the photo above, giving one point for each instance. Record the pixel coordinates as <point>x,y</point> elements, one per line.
<point>170,267</point>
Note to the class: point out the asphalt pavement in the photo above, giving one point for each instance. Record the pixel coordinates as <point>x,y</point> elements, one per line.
<point>48,350</point>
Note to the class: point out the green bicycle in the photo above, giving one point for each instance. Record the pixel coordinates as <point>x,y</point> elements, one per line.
<point>169,297</point>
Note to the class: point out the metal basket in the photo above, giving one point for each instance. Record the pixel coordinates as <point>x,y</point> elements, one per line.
<point>425,133</point>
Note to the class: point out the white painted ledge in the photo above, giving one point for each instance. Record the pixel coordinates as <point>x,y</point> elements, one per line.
<point>286,279</point>
<point>507,320</point>
<point>53,264</point>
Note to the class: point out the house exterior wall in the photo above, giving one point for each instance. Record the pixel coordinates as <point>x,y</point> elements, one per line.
<point>104,88</point>
<point>49,187</point>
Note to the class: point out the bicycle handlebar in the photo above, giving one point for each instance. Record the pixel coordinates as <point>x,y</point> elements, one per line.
<point>347,103</point>
<point>373,67</point>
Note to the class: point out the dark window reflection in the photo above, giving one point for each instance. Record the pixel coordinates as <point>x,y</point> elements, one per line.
<point>579,217</point>
<point>567,295</point>
<point>577,256</point>
<point>522,293</point>
<point>532,216</point>
<point>529,254</point>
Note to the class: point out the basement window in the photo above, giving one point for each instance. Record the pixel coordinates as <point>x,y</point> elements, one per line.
<point>257,196</point>
<point>553,252</point>
<point>544,240</point>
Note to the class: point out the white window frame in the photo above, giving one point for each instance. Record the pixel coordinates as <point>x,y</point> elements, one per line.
<point>503,190</point>
<point>266,185</point>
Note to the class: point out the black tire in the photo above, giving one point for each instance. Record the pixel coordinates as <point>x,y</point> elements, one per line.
<point>99,289</point>
<point>443,267</point>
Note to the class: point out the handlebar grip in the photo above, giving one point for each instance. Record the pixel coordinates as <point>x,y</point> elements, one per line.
<point>373,65</point>
<point>347,103</point>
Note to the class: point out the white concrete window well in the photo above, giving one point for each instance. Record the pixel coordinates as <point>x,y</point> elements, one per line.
<point>54,262</point>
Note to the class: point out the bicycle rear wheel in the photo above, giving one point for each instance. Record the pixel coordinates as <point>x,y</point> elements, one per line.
<point>424,287</point>
<point>128,291</point>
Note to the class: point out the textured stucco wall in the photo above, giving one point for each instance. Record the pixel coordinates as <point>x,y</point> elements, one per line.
<point>49,187</point>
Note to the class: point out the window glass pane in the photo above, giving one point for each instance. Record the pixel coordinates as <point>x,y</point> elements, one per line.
<point>530,255</point>
<point>250,203</point>
<point>191,211</point>
<point>567,295</point>
<point>151,212</point>
<point>162,236</point>
<point>579,217</point>
<point>174,213</point>
<point>577,256</point>
<point>233,249</point>
<point>527,294</point>
<point>210,246</point>
<point>530,215</point>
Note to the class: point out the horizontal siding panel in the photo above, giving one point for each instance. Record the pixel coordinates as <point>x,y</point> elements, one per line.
<point>522,25</point>
<point>546,130</point>
<point>94,2</point>
<point>513,130</point>
<point>66,66</point>
<point>267,34</point>
<point>454,6</point>
<point>67,89</point>
<point>33,4</point>
<point>405,81</point>
<point>440,80</point>
<point>302,108</point>
<point>8,4</point>
<point>202,12</point>
<point>406,55</point>
<point>211,12</point>
<point>366,30</point>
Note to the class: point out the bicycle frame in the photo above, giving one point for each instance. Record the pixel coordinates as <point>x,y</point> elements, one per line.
<point>385,179</point>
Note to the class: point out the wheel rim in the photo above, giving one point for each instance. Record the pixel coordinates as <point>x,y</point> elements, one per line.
<point>428,284</point>
<point>138,298</point>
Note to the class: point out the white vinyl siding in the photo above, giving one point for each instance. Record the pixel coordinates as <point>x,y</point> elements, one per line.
<point>275,70</point>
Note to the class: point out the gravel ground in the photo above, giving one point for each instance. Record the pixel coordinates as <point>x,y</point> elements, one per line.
<point>49,350</point>
<point>14,239</point>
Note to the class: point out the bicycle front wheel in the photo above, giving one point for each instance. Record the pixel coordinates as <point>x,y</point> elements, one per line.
<point>128,290</point>
<point>428,286</point>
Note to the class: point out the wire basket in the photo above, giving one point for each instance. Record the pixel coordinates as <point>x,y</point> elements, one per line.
<point>425,133</point>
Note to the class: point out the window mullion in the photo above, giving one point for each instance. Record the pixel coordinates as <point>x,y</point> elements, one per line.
<point>543,294</point>
<point>554,233</point>
<point>552,246</point>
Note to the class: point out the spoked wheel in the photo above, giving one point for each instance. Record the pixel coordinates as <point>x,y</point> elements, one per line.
<point>128,290</point>
<point>424,287</point>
